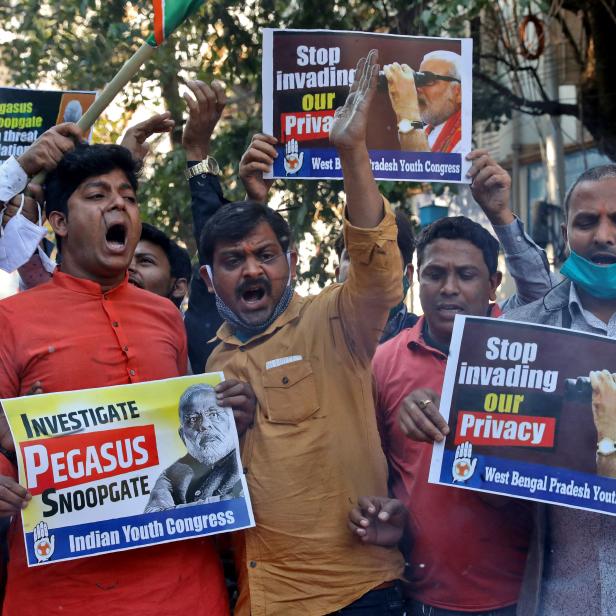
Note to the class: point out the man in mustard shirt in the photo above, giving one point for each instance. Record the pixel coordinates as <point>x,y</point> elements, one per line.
<point>314,447</point>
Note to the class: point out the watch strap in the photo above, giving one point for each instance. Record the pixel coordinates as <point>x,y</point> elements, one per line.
<point>208,165</point>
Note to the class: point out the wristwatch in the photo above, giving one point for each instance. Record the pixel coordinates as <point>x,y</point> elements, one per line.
<point>606,447</point>
<point>209,165</point>
<point>406,126</point>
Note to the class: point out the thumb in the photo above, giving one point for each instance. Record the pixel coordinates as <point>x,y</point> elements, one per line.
<point>473,465</point>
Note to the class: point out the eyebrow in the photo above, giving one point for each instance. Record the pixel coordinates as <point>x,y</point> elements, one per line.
<point>236,250</point>
<point>103,184</point>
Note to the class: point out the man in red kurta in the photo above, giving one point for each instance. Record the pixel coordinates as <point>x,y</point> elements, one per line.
<point>88,327</point>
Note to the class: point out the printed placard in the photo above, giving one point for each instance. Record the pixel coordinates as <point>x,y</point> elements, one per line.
<point>122,467</point>
<point>26,114</point>
<point>525,419</point>
<point>421,115</point>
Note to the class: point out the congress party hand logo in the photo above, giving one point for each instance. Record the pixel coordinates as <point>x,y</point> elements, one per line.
<point>464,463</point>
<point>43,543</point>
<point>293,158</point>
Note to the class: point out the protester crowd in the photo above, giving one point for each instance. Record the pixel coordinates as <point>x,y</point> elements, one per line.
<point>335,395</point>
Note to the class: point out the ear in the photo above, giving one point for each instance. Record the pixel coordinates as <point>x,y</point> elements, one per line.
<point>408,272</point>
<point>495,280</point>
<point>563,230</point>
<point>180,288</point>
<point>206,278</point>
<point>181,433</point>
<point>458,90</point>
<point>293,265</point>
<point>59,223</point>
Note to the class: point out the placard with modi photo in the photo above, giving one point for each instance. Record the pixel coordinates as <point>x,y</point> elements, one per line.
<point>122,467</point>
<point>532,413</point>
<point>421,117</point>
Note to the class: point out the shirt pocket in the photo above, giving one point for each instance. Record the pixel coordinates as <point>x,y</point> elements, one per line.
<point>290,393</point>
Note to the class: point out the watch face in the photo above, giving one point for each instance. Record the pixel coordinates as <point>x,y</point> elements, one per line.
<point>606,446</point>
<point>405,126</point>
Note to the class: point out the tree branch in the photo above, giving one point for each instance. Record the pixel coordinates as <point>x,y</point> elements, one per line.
<point>531,107</point>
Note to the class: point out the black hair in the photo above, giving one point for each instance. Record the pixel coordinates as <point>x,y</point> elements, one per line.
<point>84,162</point>
<point>405,238</point>
<point>178,257</point>
<point>234,221</point>
<point>594,174</point>
<point>460,228</point>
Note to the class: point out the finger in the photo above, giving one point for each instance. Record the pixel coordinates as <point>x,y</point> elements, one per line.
<point>412,430</point>
<point>265,137</point>
<point>369,505</point>
<point>191,103</point>
<point>484,174</point>
<point>203,97</point>
<point>431,411</point>
<point>264,146</point>
<point>237,403</point>
<point>474,154</point>
<point>408,72</point>
<point>355,528</point>
<point>357,517</point>
<point>225,385</point>
<point>69,129</point>
<point>13,495</point>
<point>427,423</point>
<point>391,508</point>
<point>221,98</point>
<point>255,155</point>
<point>255,168</point>
<point>36,190</point>
<point>478,165</point>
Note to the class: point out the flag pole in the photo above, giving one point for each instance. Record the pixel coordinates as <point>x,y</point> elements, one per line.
<point>111,90</point>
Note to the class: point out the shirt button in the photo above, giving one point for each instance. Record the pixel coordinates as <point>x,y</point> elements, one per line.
<point>253,564</point>
<point>115,323</point>
<point>242,349</point>
<point>197,492</point>
<point>131,372</point>
<point>125,348</point>
<point>285,380</point>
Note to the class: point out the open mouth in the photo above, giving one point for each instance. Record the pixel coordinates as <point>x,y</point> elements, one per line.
<point>254,295</point>
<point>135,281</point>
<point>603,258</point>
<point>116,236</point>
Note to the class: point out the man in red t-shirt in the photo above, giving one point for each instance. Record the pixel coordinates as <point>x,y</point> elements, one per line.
<point>87,327</point>
<point>467,551</point>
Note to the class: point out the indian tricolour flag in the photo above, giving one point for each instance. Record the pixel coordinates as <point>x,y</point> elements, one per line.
<point>168,15</point>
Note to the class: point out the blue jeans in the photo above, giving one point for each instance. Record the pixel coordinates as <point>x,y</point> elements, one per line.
<point>380,602</point>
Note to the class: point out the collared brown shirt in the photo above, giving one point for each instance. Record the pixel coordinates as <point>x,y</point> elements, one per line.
<point>314,447</point>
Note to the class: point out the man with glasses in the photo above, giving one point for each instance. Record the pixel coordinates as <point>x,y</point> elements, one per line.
<point>428,103</point>
<point>208,473</point>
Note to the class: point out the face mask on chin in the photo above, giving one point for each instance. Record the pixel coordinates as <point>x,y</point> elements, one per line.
<point>252,329</point>
<point>19,239</point>
<point>597,280</point>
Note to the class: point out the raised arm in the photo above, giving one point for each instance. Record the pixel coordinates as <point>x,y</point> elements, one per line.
<point>374,284</point>
<point>348,136</point>
<point>527,263</point>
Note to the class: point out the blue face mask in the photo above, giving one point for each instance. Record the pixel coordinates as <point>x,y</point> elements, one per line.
<point>597,280</point>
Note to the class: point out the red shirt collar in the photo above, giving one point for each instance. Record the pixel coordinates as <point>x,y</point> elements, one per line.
<point>84,285</point>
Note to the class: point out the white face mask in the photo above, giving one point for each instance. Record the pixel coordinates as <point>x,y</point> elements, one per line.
<point>19,239</point>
